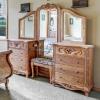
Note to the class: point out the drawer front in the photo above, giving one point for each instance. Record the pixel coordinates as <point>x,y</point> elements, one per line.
<point>16,44</point>
<point>65,69</point>
<point>19,59</point>
<point>19,53</point>
<point>69,60</point>
<point>18,65</point>
<point>72,51</point>
<point>68,79</point>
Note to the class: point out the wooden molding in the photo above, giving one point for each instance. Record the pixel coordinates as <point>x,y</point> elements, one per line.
<point>97,89</point>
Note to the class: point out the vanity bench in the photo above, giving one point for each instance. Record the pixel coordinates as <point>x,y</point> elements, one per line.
<point>44,63</point>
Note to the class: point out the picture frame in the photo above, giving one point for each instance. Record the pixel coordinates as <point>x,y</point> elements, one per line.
<point>0,5</point>
<point>79,3</point>
<point>71,21</point>
<point>51,21</point>
<point>43,17</point>
<point>25,7</point>
<point>30,18</point>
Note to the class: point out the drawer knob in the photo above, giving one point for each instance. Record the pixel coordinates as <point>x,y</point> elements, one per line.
<point>61,69</point>
<point>60,59</point>
<point>21,60</point>
<point>60,77</point>
<point>77,81</point>
<point>77,72</point>
<point>78,62</point>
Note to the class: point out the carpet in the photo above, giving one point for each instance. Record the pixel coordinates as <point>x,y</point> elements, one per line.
<point>21,88</point>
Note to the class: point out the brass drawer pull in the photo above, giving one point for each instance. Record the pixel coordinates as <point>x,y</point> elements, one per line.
<point>77,72</point>
<point>60,59</point>
<point>78,62</point>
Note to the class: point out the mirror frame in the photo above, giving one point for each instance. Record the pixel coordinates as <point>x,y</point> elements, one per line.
<point>84,21</point>
<point>27,15</point>
<point>46,7</point>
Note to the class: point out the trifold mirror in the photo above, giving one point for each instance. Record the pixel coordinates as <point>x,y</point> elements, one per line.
<point>27,26</point>
<point>53,24</point>
<point>48,26</point>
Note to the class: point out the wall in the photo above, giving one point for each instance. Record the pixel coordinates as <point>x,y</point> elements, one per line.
<point>3,45</point>
<point>14,15</point>
<point>93,26</point>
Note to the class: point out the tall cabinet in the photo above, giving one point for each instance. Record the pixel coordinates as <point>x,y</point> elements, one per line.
<point>73,57</point>
<point>23,52</point>
<point>73,66</point>
<point>27,46</point>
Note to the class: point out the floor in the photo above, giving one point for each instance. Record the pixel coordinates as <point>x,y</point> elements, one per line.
<point>21,88</point>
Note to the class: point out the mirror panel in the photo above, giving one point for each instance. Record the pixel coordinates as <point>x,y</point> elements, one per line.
<point>73,27</point>
<point>27,26</point>
<point>43,23</point>
<point>48,23</point>
<point>48,28</point>
<point>52,28</point>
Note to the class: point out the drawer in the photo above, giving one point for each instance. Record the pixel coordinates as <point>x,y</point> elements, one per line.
<point>18,64</point>
<point>19,53</point>
<point>68,79</point>
<point>16,44</point>
<point>65,69</point>
<point>69,60</point>
<point>72,51</point>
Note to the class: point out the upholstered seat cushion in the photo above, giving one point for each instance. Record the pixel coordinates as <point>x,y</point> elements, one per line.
<point>45,61</point>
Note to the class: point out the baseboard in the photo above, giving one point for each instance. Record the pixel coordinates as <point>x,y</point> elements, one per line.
<point>97,89</point>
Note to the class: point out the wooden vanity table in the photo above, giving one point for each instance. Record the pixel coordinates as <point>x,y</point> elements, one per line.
<point>73,66</point>
<point>64,41</point>
<point>23,51</point>
<point>73,57</point>
<point>26,47</point>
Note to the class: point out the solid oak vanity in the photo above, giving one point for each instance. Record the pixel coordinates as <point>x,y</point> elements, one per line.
<point>73,66</point>
<point>26,47</point>
<point>73,58</point>
<point>58,34</point>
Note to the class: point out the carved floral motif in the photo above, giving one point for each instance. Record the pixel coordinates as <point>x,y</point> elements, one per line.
<point>71,51</point>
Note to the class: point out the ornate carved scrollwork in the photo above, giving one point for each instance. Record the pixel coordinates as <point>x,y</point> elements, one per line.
<point>71,51</point>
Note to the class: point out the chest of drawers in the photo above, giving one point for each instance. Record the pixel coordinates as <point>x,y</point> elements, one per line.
<point>73,66</point>
<point>23,52</point>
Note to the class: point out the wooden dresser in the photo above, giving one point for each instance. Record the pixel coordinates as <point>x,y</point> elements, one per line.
<point>73,66</point>
<point>23,52</point>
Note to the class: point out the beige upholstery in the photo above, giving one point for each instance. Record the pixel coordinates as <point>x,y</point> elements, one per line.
<point>5,67</point>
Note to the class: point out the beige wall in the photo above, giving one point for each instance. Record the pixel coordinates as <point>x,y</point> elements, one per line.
<point>14,15</point>
<point>3,45</point>
<point>93,26</point>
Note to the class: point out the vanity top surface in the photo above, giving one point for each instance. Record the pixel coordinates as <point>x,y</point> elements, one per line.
<point>74,45</point>
<point>25,40</point>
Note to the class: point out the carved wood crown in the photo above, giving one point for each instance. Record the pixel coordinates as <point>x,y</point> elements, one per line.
<point>49,6</point>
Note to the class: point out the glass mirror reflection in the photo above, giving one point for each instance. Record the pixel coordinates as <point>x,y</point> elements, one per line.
<point>73,27</point>
<point>48,29</point>
<point>48,23</point>
<point>27,27</point>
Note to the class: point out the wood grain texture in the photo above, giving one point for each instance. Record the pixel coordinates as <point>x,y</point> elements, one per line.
<point>5,67</point>
<point>23,52</point>
<point>73,67</point>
